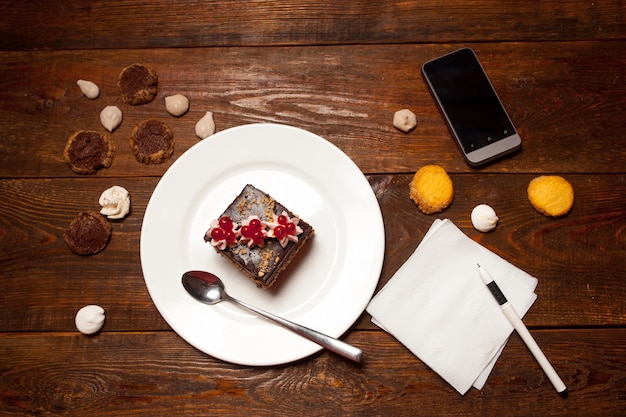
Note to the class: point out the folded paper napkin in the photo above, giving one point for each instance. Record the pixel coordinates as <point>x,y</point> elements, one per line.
<point>439,308</point>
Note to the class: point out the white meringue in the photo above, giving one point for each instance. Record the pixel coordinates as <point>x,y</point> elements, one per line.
<point>111,117</point>
<point>88,88</point>
<point>89,319</point>
<point>405,120</point>
<point>115,202</point>
<point>205,126</point>
<point>177,105</point>
<point>484,218</point>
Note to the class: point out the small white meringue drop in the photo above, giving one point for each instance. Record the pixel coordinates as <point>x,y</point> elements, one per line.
<point>88,88</point>
<point>484,218</point>
<point>177,105</point>
<point>115,202</point>
<point>205,126</point>
<point>111,117</point>
<point>405,120</point>
<point>89,319</point>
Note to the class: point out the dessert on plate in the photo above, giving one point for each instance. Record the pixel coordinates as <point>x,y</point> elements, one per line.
<point>259,235</point>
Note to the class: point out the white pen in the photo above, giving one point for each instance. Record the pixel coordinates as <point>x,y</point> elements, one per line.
<point>521,329</point>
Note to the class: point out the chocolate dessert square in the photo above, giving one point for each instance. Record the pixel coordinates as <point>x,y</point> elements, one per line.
<point>259,235</point>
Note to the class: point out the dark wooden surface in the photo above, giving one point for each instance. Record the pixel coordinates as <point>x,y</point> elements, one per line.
<point>340,71</point>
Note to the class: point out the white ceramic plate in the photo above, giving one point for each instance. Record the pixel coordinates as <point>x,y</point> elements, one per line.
<point>326,288</point>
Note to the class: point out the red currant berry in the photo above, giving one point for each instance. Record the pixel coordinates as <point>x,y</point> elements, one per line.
<point>279,232</point>
<point>217,234</point>
<point>282,219</point>
<point>255,224</point>
<point>226,223</point>
<point>291,228</point>
<point>246,231</point>
<point>258,238</point>
<point>230,236</point>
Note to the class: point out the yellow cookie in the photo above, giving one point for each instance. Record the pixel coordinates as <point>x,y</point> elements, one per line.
<point>431,189</point>
<point>551,195</point>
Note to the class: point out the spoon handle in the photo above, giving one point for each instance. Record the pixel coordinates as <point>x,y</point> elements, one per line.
<point>334,345</point>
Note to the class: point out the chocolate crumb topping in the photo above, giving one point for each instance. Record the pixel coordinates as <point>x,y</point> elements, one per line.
<point>152,142</point>
<point>88,151</point>
<point>88,233</point>
<point>138,84</point>
<point>152,136</point>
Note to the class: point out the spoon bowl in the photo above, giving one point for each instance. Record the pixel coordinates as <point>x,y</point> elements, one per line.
<point>209,289</point>
<point>204,287</point>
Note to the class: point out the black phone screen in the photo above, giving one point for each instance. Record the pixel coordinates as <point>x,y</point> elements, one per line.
<point>468,99</point>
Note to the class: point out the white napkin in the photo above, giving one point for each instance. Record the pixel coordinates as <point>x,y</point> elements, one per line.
<point>439,308</point>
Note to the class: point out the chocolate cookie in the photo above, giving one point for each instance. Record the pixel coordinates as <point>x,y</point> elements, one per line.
<point>152,142</point>
<point>87,151</point>
<point>138,84</point>
<point>88,233</point>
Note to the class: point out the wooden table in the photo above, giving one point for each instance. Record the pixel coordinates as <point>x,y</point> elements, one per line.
<point>340,71</point>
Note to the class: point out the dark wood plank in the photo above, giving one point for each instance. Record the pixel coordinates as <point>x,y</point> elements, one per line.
<point>338,69</point>
<point>573,256</point>
<point>128,374</point>
<point>128,24</point>
<point>578,258</point>
<point>44,282</point>
<point>558,95</point>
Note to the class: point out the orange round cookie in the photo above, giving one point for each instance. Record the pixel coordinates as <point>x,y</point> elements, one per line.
<point>431,188</point>
<point>551,195</point>
<point>87,151</point>
<point>138,84</point>
<point>152,142</point>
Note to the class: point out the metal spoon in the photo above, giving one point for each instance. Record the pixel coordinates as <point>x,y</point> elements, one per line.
<point>209,289</point>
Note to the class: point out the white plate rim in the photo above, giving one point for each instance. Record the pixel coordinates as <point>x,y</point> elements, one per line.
<point>223,331</point>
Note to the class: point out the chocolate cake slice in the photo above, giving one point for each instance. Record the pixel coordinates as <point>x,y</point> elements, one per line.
<point>259,235</point>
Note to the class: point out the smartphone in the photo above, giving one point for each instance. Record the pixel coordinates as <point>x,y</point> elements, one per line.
<point>471,107</point>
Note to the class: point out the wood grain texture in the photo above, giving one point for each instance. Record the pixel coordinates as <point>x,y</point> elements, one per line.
<point>573,289</point>
<point>41,24</point>
<point>340,70</point>
<point>129,374</point>
<point>557,97</point>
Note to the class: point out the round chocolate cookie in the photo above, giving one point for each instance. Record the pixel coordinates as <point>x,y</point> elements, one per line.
<point>138,84</point>
<point>88,233</point>
<point>87,151</point>
<point>152,142</point>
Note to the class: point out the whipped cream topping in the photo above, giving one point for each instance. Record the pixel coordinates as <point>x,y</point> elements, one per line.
<point>284,228</point>
<point>89,319</point>
<point>222,233</point>
<point>115,202</point>
<point>253,232</point>
<point>484,218</point>
<point>225,233</point>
